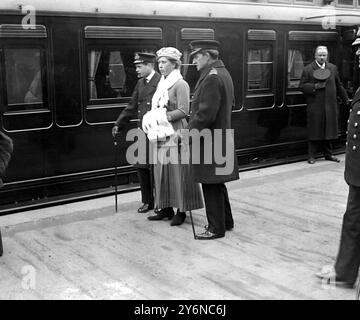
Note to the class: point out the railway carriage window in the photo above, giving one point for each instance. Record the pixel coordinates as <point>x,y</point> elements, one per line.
<point>345,2</point>
<point>111,73</point>
<point>189,71</point>
<point>260,68</point>
<point>24,78</point>
<point>107,75</point>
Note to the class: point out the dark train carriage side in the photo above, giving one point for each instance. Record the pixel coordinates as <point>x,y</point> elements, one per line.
<point>64,83</point>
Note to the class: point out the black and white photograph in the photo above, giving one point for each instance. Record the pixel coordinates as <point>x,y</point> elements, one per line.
<point>180,154</point>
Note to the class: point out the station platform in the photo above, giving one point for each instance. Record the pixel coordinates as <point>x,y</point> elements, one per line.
<point>287,227</point>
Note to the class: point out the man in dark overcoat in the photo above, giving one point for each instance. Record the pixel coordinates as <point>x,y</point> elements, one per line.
<point>139,104</point>
<point>348,260</point>
<point>321,85</point>
<point>6,148</point>
<point>211,114</point>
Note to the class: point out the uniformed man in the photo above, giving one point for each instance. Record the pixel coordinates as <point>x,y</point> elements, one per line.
<point>211,109</point>
<point>139,104</point>
<point>321,85</point>
<point>348,259</point>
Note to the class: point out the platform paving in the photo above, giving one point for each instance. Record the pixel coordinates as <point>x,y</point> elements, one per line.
<point>287,226</point>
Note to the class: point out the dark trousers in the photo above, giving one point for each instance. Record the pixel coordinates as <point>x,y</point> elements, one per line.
<point>146,185</point>
<point>315,145</point>
<point>348,259</point>
<point>217,205</point>
<point>1,246</point>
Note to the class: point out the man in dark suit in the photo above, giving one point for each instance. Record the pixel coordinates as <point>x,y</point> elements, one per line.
<point>348,259</point>
<point>139,104</point>
<point>6,148</point>
<point>321,85</point>
<point>211,112</point>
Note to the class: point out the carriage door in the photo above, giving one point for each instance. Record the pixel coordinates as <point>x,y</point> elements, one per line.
<point>25,106</point>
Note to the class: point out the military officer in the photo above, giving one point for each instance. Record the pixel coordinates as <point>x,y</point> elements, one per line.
<point>211,110</point>
<point>348,259</point>
<point>139,104</point>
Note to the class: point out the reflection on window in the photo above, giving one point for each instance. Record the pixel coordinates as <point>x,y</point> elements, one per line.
<point>295,67</point>
<point>346,2</point>
<point>260,68</point>
<point>189,71</point>
<point>23,76</point>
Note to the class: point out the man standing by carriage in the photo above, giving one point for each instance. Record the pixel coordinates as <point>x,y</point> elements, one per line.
<point>321,85</point>
<point>139,104</point>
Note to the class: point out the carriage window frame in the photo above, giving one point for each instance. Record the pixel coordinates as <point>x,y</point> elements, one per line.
<point>353,5</point>
<point>26,44</point>
<point>120,45</point>
<point>255,44</point>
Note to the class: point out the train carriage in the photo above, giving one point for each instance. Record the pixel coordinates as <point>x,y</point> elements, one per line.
<point>66,72</point>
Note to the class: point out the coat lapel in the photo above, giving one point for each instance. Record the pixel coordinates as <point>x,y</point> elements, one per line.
<point>149,87</point>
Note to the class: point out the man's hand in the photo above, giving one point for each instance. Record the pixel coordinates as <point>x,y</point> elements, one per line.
<point>115,131</point>
<point>320,85</point>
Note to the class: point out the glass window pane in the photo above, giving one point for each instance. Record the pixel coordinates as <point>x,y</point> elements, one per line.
<point>111,73</point>
<point>346,2</point>
<point>260,68</point>
<point>23,76</point>
<point>188,70</point>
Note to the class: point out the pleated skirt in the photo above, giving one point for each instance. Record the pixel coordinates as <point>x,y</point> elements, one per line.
<point>174,185</point>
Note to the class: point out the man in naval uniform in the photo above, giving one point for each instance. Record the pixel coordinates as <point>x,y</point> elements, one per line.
<point>348,259</point>
<point>321,85</point>
<point>139,104</point>
<point>211,110</point>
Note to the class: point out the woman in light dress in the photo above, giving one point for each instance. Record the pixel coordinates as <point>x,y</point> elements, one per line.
<point>174,186</point>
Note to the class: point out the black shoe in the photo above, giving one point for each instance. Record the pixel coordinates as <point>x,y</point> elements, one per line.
<point>178,219</point>
<point>162,214</point>
<point>145,207</point>
<point>227,228</point>
<point>331,158</point>
<point>208,235</point>
<point>311,160</point>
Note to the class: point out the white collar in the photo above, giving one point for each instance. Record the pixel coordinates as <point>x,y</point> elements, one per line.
<point>148,78</point>
<point>320,66</point>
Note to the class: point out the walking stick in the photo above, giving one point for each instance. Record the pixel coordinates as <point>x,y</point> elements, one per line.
<point>1,245</point>
<point>192,224</point>
<point>115,168</point>
<point>191,217</point>
<point>358,291</point>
